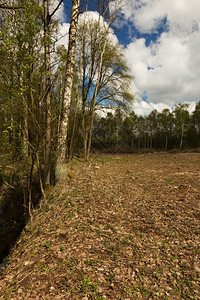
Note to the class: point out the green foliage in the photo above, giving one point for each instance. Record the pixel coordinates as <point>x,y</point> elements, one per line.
<point>20,69</point>
<point>87,286</point>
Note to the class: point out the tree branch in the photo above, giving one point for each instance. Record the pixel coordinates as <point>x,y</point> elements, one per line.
<point>4,6</point>
<point>55,10</point>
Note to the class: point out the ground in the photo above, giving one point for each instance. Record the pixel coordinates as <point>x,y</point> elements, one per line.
<point>123,227</point>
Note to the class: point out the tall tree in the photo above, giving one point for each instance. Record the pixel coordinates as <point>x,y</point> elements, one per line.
<point>129,129</point>
<point>181,121</point>
<point>47,163</point>
<point>105,75</point>
<point>21,73</point>
<point>61,171</point>
<point>196,117</point>
<point>103,7</point>
<point>165,120</point>
<point>152,122</point>
<point>47,38</point>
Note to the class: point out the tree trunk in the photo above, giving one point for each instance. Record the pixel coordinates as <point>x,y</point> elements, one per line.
<point>73,128</point>
<point>47,162</point>
<point>81,79</point>
<point>76,111</point>
<point>102,51</point>
<point>138,143</point>
<point>61,171</point>
<point>95,96</point>
<point>25,148</point>
<point>166,141</point>
<point>25,133</point>
<point>4,6</point>
<point>182,132</point>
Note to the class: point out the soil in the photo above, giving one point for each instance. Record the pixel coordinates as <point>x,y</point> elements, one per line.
<point>123,227</point>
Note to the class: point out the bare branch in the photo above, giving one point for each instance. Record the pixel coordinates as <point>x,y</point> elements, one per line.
<point>55,10</point>
<point>4,6</point>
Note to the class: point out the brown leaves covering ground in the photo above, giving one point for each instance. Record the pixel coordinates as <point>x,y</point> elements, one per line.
<point>124,227</point>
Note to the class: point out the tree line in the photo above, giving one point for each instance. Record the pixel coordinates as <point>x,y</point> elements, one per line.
<point>49,93</point>
<point>167,130</point>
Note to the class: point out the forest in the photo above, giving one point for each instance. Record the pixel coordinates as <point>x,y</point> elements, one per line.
<point>168,130</point>
<point>51,95</point>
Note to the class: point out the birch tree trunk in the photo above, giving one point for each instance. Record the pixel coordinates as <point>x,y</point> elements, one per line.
<point>61,170</point>
<point>75,117</point>
<point>78,92</point>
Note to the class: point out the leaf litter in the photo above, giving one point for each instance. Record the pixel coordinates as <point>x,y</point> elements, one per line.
<point>124,227</point>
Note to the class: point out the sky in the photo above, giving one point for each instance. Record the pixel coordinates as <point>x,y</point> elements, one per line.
<point>161,42</point>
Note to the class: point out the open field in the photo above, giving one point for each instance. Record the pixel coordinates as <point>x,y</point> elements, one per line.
<point>123,227</point>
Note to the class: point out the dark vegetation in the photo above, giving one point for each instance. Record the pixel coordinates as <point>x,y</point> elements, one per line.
<point>14,204</point>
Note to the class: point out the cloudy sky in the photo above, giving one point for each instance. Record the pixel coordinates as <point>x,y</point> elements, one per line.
<point>162,41</point>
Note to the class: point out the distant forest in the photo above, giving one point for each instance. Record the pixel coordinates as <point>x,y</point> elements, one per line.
<point>167,130</point>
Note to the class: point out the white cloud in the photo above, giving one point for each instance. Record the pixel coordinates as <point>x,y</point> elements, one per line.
<point>147,14</point>
<point>63,35</point>
<point>142,108</point>
<point>167,70</point>
<point>60,13</point>
<point>95,17</point>
<point>63,32</point>
<point>191,107</point>
<point>102,111</point>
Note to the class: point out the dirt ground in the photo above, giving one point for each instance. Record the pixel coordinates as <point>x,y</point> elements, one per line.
<point>123,227</point>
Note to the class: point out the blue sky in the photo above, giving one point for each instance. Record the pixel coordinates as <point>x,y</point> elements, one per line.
<point>161,44</point>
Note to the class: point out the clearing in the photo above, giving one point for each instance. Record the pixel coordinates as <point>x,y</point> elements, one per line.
<point>124,227</point>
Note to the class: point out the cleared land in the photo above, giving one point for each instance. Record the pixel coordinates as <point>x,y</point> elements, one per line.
<point>124,227</point>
